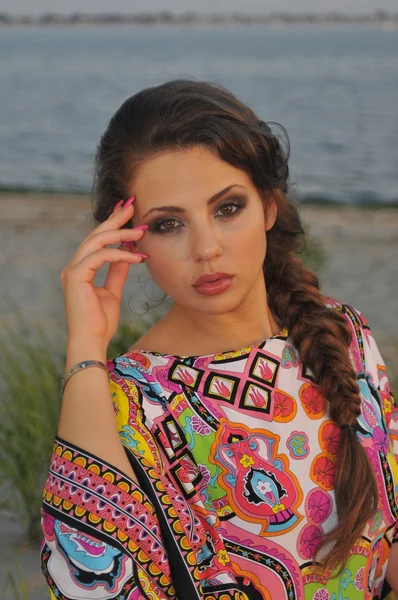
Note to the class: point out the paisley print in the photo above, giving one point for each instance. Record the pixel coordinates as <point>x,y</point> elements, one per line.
<point>235,458</point>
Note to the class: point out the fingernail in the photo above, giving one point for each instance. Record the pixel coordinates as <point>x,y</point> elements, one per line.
<point>129,201</point>
<point>141,227</point>
<point>141,254</point>
<point>117,205</point>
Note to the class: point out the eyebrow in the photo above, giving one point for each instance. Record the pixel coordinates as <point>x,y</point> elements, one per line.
<point>179,209</point>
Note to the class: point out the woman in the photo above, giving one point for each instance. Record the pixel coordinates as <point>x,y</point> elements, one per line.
<point>245,449</point>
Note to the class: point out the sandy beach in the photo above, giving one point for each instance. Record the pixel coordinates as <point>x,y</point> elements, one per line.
<point>39,233</point>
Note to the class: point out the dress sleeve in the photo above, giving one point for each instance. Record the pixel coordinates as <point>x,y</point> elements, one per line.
<point>106,537</point>
<point>380,408</point>
<point>376,366</point>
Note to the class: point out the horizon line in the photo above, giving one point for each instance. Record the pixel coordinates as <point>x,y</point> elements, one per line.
<point>379,12</point>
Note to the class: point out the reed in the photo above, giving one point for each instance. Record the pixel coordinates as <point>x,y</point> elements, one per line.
<point>30,372</point>
<point>15,584</point>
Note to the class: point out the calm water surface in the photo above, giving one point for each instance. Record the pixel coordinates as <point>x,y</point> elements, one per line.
<point>334,89</point>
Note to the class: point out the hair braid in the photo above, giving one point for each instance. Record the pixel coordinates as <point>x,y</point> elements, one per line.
<point>322,337</point>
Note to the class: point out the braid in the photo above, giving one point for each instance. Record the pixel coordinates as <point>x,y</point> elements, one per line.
<point>322,337</point>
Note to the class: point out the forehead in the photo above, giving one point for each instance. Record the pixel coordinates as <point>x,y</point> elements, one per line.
<point>184,175</point>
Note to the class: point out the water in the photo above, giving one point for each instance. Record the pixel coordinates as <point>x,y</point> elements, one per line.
<point>335,90</point>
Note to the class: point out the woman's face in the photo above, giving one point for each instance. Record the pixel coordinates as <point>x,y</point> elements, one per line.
<point>205,217</point>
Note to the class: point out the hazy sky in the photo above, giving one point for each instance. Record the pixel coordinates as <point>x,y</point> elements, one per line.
<point>35,7</point>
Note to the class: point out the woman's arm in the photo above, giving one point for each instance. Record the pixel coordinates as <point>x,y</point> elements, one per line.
<point>87,415</point>
<point>101,537</point>
<point>94,512</point>
<point>105,532</point>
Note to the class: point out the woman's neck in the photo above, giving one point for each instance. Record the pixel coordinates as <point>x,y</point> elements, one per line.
<point>215,335</point>
<point>186,333</point>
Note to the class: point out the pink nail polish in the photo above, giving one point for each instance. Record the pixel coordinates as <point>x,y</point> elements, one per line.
<point>141,254</point>
<point>117,205</point>
<point>140,227</point>
<point>129,201</point>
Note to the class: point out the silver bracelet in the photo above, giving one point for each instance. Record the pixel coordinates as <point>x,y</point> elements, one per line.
<point>82,365</point>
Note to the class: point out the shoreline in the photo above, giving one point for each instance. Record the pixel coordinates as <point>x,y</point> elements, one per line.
<point>305,200</point>
<point>380,19</point>
<point>387,25</point>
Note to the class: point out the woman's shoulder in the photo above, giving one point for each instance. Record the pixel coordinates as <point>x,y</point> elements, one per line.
<point>147,341</point>
<point>131,374</point>
<point>354,316</point>
<point>344,307</point>
<point>363,347</point>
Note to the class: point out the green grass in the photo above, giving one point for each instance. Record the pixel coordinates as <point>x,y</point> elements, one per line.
<point>15,584</point>
<point>313,254</point>
<point>30,372</point>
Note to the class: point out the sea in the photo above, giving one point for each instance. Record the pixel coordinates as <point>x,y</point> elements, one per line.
<point>333,88</point>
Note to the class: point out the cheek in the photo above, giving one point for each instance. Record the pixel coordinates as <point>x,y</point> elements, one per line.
<point>166,247</point>
<point>249,247</point>
<point>165,265</point>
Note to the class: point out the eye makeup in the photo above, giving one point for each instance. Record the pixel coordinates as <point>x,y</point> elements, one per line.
<point>237,203</point>
<point>157,224</point>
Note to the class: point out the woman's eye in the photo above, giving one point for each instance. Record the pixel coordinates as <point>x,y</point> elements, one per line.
<point>166,225</point>
<point>227,210</point>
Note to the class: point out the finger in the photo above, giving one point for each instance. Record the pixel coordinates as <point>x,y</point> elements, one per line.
<point>117,275</point>
<point>106,238</point>
<point>119,217</point>
<point>133,246</point>
<point>116,278</point>
<point>116,220</point>
<point>121,213</point>
<point>86,269</point>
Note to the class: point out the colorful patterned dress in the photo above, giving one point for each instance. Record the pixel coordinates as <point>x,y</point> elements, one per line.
<point>235,457</point>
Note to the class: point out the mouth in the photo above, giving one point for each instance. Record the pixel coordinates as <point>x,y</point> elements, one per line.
<point>210,278</point>
<point>213,283</point>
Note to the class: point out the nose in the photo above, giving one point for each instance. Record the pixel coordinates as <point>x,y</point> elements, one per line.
<point>205,244</point>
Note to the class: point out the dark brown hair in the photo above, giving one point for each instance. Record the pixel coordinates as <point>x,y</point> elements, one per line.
<point>182,113</point>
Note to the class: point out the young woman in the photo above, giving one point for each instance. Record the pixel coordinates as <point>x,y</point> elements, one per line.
<point>243,448</point>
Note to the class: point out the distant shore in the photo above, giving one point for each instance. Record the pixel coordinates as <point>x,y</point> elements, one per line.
<point>304,199</point>
<point>379,18</point>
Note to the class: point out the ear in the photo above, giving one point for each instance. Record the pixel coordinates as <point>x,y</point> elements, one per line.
<point>270,213</point>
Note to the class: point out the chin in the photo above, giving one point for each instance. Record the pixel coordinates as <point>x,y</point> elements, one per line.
<point>218,305</point>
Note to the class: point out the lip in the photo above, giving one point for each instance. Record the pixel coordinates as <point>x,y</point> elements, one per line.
<point>213,283</point>
<point>210,277</point>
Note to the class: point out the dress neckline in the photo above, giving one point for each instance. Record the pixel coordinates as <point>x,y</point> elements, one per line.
<point>282,333</point>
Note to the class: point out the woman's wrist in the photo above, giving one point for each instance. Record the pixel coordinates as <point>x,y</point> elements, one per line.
<point>81,350</point>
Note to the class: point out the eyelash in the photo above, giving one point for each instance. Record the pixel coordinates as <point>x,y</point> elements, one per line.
<point>238,205</point>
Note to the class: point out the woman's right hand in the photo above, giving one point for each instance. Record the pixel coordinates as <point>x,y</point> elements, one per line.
<point>92,312</point>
